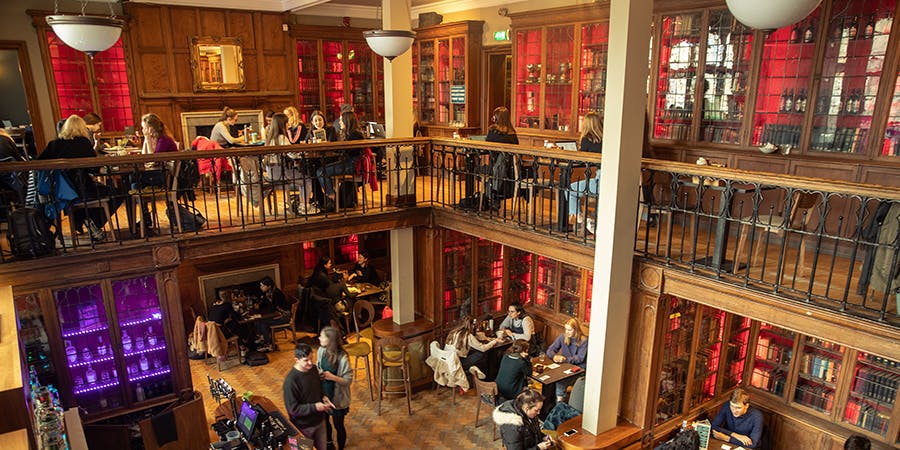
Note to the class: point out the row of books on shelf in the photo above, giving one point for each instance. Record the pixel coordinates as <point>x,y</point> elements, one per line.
<point>780,134</point>
<point>773,381</point>
<point>820,366</point>
<point>773,352</point>
<point>818,397</point>
<point>876,384</point>
<point>882,361</point>
<point>721,134</point>
<point>868,417</point>
<point>839,139</point>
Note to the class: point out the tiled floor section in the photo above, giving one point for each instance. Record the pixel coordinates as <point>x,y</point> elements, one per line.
<point>434,424</point>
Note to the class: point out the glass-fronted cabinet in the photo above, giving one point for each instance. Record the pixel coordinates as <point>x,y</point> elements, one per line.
<point>873,393</point>
<point>725,78</point>
<point>87,338</point>
<point>545,287</point>
<point>676,80</point>
<point>571,289</point>
<point>457,269</point>
<point>446,78</point>
<point>143,338</point>
<point>519,269</point>
<point>592,79</point>
<point>772,359</point>
<point>855,49</point>
<point>820,366</point>
<point>736,352</point>
<point>489,277</point>
<point>34,338</point>
<point>707,355</point>
<point>558,94</point>
<point>336,71</point>
<point>528,78</point>
<point>676,358</point>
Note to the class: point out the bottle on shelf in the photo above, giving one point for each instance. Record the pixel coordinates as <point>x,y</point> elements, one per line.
<point>145,365</point>
<point>854,28</point>
<point>86,354</point>
<point>789,102</point>
<point>795,34</point>
<point>90,375</point>
<point>151,336</point>
<point>869,30</point>
<point>139,393</point>
<point>71,352</point>
<point>126,341</point>
<point>810,32</point>
<point>139,342</point>
<point>101,347</point>
<point>103,402</point>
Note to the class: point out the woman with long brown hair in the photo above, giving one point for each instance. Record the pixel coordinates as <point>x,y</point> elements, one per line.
<point>569,347</point>
<point>337,376</point>
<point>221,130</point>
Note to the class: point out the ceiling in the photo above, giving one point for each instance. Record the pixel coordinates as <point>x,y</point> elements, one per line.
<point>351,8</point>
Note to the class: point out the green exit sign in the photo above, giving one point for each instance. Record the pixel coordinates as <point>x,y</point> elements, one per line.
<point>502,35</point>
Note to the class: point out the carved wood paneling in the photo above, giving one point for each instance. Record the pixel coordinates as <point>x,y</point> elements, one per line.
<point>769,163</point>
<point>886,176</point>
<point>155,73</point>
<point>184,27</point>
<point>152,29</point>
<point>184,81</point>
<point>272,34</point>
<point>251,76</point>
<point>828,171</point>
<point>241,25</point>
<point>275,79</point>
<point>212,22</point>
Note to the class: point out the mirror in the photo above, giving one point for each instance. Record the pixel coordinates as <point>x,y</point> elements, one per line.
<point>217,64</point>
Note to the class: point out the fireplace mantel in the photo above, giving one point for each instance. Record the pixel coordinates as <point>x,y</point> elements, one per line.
<point>190,121</point>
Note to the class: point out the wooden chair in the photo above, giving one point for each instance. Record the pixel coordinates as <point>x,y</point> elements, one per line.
<point>486,390</point>
<point>286,327</point>
<point>802,204</point>
<point>392,352</point>
<point>229,343</point>
<point>87,205</point>
<point>360,349</point>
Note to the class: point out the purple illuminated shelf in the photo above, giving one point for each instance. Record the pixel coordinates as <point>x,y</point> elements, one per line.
<point>146,350</point>
<point>93,361</point>
<point>95,387</point>
<point>82,332</point>
<point>155,373</point>
<point>155,317</point>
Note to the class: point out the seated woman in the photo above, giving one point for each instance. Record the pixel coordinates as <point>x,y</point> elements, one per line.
<point>501,181</point>
<point>74,142</point>
<point>472,352</point>
<point>329,288</point>
<point>350,131</point>
<point>362,272</point>
<point>570,347</point>
<point>514,370</point>
<point>222,312</point>
<point>520,428</point>
<point>155,175</point>
<point>296,129</point>
<point>591,141</point>
<point>12,181</point>
<point>221,130</point>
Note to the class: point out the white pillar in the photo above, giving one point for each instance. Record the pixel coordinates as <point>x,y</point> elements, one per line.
<point>403,294</point>
<point>398,110</point>
<point>626,100</point>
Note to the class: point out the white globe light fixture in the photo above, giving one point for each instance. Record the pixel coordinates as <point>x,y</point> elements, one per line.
<point>770,14</point>
<point>89,34</point>
<point>389,43</point>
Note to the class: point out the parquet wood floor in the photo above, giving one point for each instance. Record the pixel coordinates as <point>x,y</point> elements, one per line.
<point>434,424</point>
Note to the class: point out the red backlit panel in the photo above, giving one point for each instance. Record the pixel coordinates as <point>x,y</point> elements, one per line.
<point>112,88</point>
<point>70,73</point>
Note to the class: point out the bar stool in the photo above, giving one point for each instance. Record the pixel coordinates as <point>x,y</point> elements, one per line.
<point>362,349</point>
<point>393,353</point>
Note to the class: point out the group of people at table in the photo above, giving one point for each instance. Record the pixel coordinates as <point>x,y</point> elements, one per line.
<point>81,137</point>
<point>250,316</point>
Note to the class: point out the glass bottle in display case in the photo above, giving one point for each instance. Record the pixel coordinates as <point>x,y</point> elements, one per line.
<point>528,78</point>
<point>782,97</point>
<point>820,365</point>
<point>707,355</point>
<point>140,317</point>
<point>736,352</point>
<point>873,393</point>
<point>772,360</point>
<point>569,290</point>
<point>856,44</point>
<point>594,51</point>
<point>676,358</point>
<point>425,91</point>
<point>725,76</point>
<point>679,55</point>
<point>84,325</point>
<point>519,276</point>
<point>545,292</point>
<point>457,266</point>
<point>33,336</point>
<point>558,78</point>
<point>489,281</point>
<point>457,81</point>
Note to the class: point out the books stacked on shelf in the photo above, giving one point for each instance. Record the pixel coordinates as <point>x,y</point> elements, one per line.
<point>779,134</point>
<point>820,366</point>
<point>867,416</point>
<point>770,381</point>
<point>726,134</point>
<point>818,397</point>
<point>876,384</point>
<point>852,140</point>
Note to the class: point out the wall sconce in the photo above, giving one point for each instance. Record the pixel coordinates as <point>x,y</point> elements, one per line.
<point>89,34</point>
<point>389,43</point>
<point>770,14</point>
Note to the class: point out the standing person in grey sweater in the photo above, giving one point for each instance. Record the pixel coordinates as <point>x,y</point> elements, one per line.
<point>334,365</point>
<point>304,400</point>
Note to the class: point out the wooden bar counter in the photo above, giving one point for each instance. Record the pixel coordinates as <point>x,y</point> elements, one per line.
<point>623,436</point>
<point>417,334</point>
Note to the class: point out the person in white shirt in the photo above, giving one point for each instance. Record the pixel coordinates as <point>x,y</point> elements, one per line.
<point>517,324</point>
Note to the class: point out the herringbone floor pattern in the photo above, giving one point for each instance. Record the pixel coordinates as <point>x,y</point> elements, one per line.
<point>434,424</point>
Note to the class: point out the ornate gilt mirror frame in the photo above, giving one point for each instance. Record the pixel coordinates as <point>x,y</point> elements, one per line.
<point>217,64</point>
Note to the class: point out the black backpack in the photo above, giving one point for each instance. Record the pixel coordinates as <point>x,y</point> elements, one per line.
<point>347,191</point>
<point>29,234</point>
<point>191,219</point>
<point>255,358</point>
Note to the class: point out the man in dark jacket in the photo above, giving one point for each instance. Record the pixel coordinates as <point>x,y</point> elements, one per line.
<point>304,400</point>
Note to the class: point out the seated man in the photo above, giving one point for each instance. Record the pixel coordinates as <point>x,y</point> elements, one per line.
<point>222,312</point>
<point>271,301</point>
<point>737,423</point>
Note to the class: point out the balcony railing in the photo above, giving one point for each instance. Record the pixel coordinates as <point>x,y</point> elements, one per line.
<point>829,243</point>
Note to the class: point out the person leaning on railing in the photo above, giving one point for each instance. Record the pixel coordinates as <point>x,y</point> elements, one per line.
<point>591,141</point>
<point>500,184</point>
<point>350,131</point>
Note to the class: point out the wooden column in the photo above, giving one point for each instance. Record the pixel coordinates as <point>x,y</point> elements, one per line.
<point>629,36</point>
<point>403,286</point>
<point>398,110</point>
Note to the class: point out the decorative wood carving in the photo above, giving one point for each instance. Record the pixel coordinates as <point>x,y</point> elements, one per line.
<point>166,255</point>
